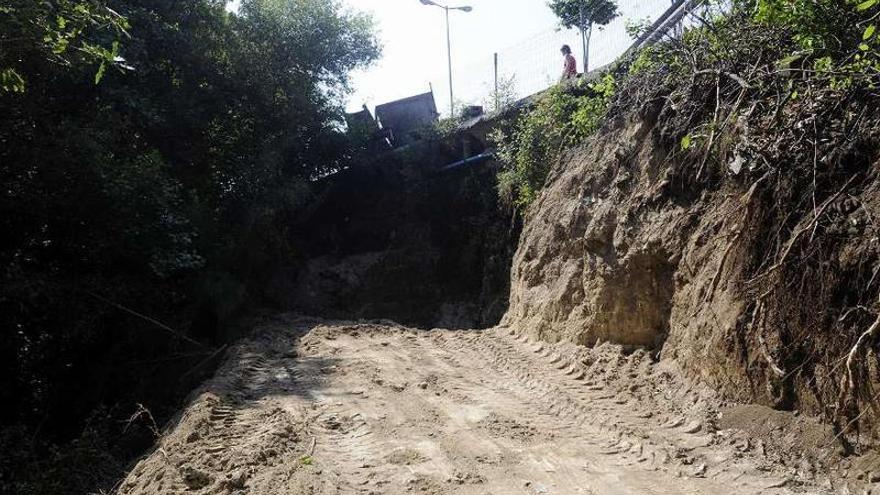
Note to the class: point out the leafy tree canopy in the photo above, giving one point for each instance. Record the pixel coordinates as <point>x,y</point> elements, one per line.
<point>64,32</point>
<point>152,153</point>
<point>572,12</point>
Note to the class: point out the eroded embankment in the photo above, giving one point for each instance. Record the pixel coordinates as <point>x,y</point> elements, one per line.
<point>742,283</point>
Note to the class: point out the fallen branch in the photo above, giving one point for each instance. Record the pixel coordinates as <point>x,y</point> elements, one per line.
<point>145,318</point>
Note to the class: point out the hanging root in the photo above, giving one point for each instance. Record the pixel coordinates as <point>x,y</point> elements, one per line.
<point>869,334</point>
<point>755,324</point>
<point>848,386</point>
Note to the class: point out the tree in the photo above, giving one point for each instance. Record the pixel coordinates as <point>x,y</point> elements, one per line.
<point>583,14</point>
<point>66,33</point>
<point>169,187</point>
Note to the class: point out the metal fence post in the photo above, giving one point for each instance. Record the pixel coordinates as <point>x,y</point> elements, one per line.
<point>497,103</point>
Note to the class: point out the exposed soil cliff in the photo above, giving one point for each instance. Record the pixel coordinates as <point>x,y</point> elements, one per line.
<point>625,245</point>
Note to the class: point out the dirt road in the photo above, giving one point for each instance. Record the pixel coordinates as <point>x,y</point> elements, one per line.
<point>308,407</point>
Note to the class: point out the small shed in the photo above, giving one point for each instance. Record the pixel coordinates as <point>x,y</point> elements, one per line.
<point>406,119</point>
<point>362,121</point>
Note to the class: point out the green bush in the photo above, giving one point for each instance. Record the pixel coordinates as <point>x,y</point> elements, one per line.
<point>563,117</point>
<point>840,37</point>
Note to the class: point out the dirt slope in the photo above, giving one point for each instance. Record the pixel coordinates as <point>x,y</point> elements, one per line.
<point>624,246</point>
<point>311,407</point>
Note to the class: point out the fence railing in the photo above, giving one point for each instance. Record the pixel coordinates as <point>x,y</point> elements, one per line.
<point>535,64</point>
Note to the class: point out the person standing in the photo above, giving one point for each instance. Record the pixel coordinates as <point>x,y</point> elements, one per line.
<point>569,69</point>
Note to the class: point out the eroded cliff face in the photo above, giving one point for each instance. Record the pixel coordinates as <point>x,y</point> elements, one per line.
<point>623,247</point>
<point>595,263</point>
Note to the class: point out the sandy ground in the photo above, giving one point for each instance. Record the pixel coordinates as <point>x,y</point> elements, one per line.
<point>308,407</point>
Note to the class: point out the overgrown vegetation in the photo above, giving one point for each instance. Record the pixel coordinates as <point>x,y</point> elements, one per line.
<point>561,118</point>
<point>76,35</point>
<point>153,154</point>
<point>776,101</point>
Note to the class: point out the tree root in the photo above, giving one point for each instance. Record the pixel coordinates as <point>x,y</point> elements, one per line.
<point>757,314</point>
<point>870,333</point>
<point>797,235</point>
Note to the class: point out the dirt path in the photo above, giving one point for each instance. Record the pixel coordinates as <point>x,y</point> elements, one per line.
<point>305,407</point>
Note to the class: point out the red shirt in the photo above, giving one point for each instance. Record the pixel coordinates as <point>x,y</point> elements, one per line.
<point>569,70</point>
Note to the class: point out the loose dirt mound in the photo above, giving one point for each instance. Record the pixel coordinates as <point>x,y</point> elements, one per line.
<point>306,407</point>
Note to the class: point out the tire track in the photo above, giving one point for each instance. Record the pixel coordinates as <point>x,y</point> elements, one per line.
<point>675,444</point>
<point>307,407</point>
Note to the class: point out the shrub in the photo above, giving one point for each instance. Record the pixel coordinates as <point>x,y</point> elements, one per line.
<point>562,117</point>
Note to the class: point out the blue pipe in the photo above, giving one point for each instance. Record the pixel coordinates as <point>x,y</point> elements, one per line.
<point>488,155</point>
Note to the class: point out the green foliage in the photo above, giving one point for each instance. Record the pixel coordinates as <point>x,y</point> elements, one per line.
<point>584,13</point>
<point>637,27</point>
<point>810,20</point>
<point>686,142</point>
<point>11,81</point>
<point>71,33</point>
<point>445,127</point>
<point>168,188</point>
<point>645,61</point>
<point>833,27</point>
<point>563,117</point>
<point>840,35</point>
<point>591,108</point>
<point>506,95</point>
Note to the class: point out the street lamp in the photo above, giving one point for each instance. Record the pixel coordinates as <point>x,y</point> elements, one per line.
<point>448,45</point>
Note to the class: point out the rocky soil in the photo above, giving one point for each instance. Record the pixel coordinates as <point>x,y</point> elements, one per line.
<point>306,406</point>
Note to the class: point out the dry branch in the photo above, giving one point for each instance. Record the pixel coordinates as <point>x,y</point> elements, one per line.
<point>145,318</point>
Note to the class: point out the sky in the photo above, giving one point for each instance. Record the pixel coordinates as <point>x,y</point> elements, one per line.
<point>414,45</point>
<point>524,33</point>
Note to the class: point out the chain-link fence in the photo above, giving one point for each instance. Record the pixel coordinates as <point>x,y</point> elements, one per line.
<point>536,63</point>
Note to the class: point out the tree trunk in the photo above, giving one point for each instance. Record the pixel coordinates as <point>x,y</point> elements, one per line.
<point>586,34</point>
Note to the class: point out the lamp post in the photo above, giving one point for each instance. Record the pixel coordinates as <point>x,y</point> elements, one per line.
<point>448,46</point>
